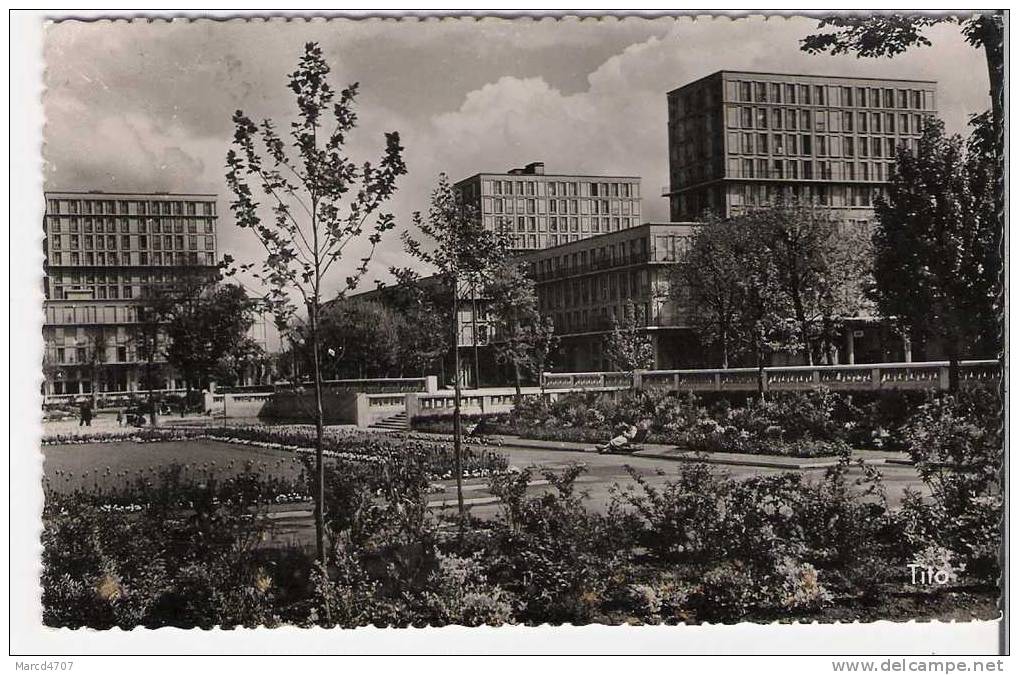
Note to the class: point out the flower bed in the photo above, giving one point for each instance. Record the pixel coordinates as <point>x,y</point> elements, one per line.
<point>344,445</point>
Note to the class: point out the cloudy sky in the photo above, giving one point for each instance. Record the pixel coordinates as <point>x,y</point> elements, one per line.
<point>141,106</point>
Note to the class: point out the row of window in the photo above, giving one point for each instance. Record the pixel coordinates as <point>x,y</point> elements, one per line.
<point>129,225</point>
<point>615,207</point>
<point>72,355</point>
<point>594,289</point>
<point>540,241</point>
<point>132,242</point>
<point>551,188</point>
<point>821,120</point>
<point>600,257</point>
<point>130,207</point>
<point>830,95</point>
<point>821,146</point>
<point>795,169</point>
<point>584,224</point>
<point>600,319</point>
<point>760,194</point>
<point>108,259</point>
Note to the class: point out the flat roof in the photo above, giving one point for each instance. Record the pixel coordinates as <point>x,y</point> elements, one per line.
<point>102,193</point>
<point>807,75</point>
<point>543,175</point>
<point>527,255</point>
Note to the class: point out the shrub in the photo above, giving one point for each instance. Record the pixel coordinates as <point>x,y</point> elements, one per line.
<point>957,446</point>
<point>547,550</point>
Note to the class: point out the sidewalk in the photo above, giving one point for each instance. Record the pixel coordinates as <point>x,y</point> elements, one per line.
<point>655,451</point>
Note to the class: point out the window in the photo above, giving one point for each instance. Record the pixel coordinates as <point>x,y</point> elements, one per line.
<point>889,123</point>
<point>819,92</point>
<point>744,91</point>
<point>790,93</point>
<point>762,144</point>
<point>125,242</point>
<point>847,121</point>
<point>746,118</point>
<point>889,147</point>
<point>847,96</point>
<point>862,142</point>
<point>849,146</point>
<point>806,147</point>
<point>875,147</point>
<point>822,146</point>
<point>777,145</point>
<point>760,93</point>
<point>776,118</point>
<point>762,118</point>
<point>803,92</point>
<point>875,123</point>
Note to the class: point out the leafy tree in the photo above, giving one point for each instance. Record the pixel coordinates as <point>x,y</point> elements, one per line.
<point>706,285</point>
<point>425,310</point>
<point>245,357</point>
<point>158,301</point>
<point>97,345</point>
<point>736,290</point>
<point>460,249</point>
<point>204,329</point>
<point>820,266</point>
<point>321,203</point>
<point>937,265</point>
<point>522,338</point>
<point>887,35</point>
<point>360,338</point>
<point>628,347</point>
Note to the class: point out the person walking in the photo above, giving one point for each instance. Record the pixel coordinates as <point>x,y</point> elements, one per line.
<point>85,415</point>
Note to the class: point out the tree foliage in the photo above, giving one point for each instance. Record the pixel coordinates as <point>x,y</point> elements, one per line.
<point>456,243</point>
<point>321,202</point>
<point>203,330</point>
<point>888,35</point>
<point>937,265</point>
<point>522,337</point>
<point>628,347</point>
<point>777,278</point>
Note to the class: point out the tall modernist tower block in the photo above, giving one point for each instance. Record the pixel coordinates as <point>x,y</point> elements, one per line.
<point>542,210</point>
<point>741,139</point>
<point>101,250</point>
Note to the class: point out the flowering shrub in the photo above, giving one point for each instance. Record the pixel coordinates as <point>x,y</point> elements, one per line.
<point>957,445</point>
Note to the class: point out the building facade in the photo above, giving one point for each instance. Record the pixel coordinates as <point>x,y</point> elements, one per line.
<point>101,251</point>
<point>586,286</point>
<point>743,139</point>
<point>539,210</point>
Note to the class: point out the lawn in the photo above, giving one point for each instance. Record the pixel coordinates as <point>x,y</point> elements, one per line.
<point>76,466</point>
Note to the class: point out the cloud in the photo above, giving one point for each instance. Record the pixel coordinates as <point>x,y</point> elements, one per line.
<point>147,106</point>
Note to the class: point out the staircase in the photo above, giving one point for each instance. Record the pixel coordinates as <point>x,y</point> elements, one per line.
<point>397,422</point>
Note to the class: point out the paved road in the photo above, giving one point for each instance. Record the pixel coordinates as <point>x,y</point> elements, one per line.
<point>604,474</point>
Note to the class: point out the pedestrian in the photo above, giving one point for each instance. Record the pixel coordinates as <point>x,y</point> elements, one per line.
<point>85,419</point>
<point>120,417</point>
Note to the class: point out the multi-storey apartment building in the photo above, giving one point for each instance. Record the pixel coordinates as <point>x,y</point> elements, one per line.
<point>540,210</point>
<point>101,251</point>
<point>741,139</point>
<point>586,286</point>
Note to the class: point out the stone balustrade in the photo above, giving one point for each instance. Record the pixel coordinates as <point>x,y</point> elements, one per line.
<point>859,377</point>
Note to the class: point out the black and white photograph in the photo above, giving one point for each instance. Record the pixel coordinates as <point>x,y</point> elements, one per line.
<point>632,321</point>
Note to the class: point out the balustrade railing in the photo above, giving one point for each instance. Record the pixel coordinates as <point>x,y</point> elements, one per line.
<point>869,376</point>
